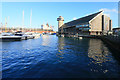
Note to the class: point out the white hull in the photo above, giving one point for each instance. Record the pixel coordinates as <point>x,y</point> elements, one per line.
<point>10,38</point>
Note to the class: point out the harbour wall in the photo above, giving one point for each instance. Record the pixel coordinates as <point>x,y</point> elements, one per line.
<point>112,41</point>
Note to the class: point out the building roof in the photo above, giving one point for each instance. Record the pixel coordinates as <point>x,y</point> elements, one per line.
<point>116,28</point>
<point>82,20</point>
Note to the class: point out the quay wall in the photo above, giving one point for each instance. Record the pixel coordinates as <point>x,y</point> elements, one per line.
<point>112,40</point>
<point>77,36</point>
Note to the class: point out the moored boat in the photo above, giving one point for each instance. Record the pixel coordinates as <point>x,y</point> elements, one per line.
<point>9,37</point>
<point>19,33</point>
<point>29,35</point>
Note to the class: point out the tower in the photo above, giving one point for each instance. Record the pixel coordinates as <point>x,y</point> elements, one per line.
<point>60,22</point>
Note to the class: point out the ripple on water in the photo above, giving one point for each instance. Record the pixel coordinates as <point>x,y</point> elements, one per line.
<point>60,58</point>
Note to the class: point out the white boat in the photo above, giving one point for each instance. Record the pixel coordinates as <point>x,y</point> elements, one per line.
<point>24,37</point>
<point>29,35</point>
<point>80,37</point>
<point>9,37</point>
<point>37,35</point>
<point>6,34</point>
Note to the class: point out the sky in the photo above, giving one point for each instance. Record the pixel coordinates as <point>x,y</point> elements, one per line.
<point>48,12</point>
<point>60,0</point>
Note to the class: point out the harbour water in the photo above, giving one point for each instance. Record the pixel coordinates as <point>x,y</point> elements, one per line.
<point>58,57</point>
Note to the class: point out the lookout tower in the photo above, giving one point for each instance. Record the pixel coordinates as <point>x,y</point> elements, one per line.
<point>60,21</point>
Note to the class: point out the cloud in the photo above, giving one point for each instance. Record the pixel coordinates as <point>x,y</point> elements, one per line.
<point>107,14</point>
<point>74,18</point>
<point>109,10</point>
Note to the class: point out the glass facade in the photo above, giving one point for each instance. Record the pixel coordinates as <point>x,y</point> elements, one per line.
<point>82,25</point>
<point>85,29</point>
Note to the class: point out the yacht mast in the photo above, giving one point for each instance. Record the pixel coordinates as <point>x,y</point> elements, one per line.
<point>23,21</point>
<point>5,24</point>
<point>31,18</point>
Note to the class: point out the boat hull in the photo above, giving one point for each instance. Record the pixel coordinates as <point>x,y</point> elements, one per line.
<point>10,38</point>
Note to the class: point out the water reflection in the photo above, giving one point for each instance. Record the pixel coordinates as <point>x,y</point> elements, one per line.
<point>101,58</point>
<point>92,53</point>
<point>46,40</point>
<point>98,52</point>
<point>61,44</point>
<point>0,60</point>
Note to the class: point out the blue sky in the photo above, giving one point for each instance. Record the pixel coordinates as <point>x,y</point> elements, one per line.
<point>43,12</point>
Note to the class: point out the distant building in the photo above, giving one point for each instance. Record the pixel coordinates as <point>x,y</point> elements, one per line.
<point>94,24</point>
<point>46,27</point>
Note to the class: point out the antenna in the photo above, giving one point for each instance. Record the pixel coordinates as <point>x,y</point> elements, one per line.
<point>8,21</point>
<point>31,18</point>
